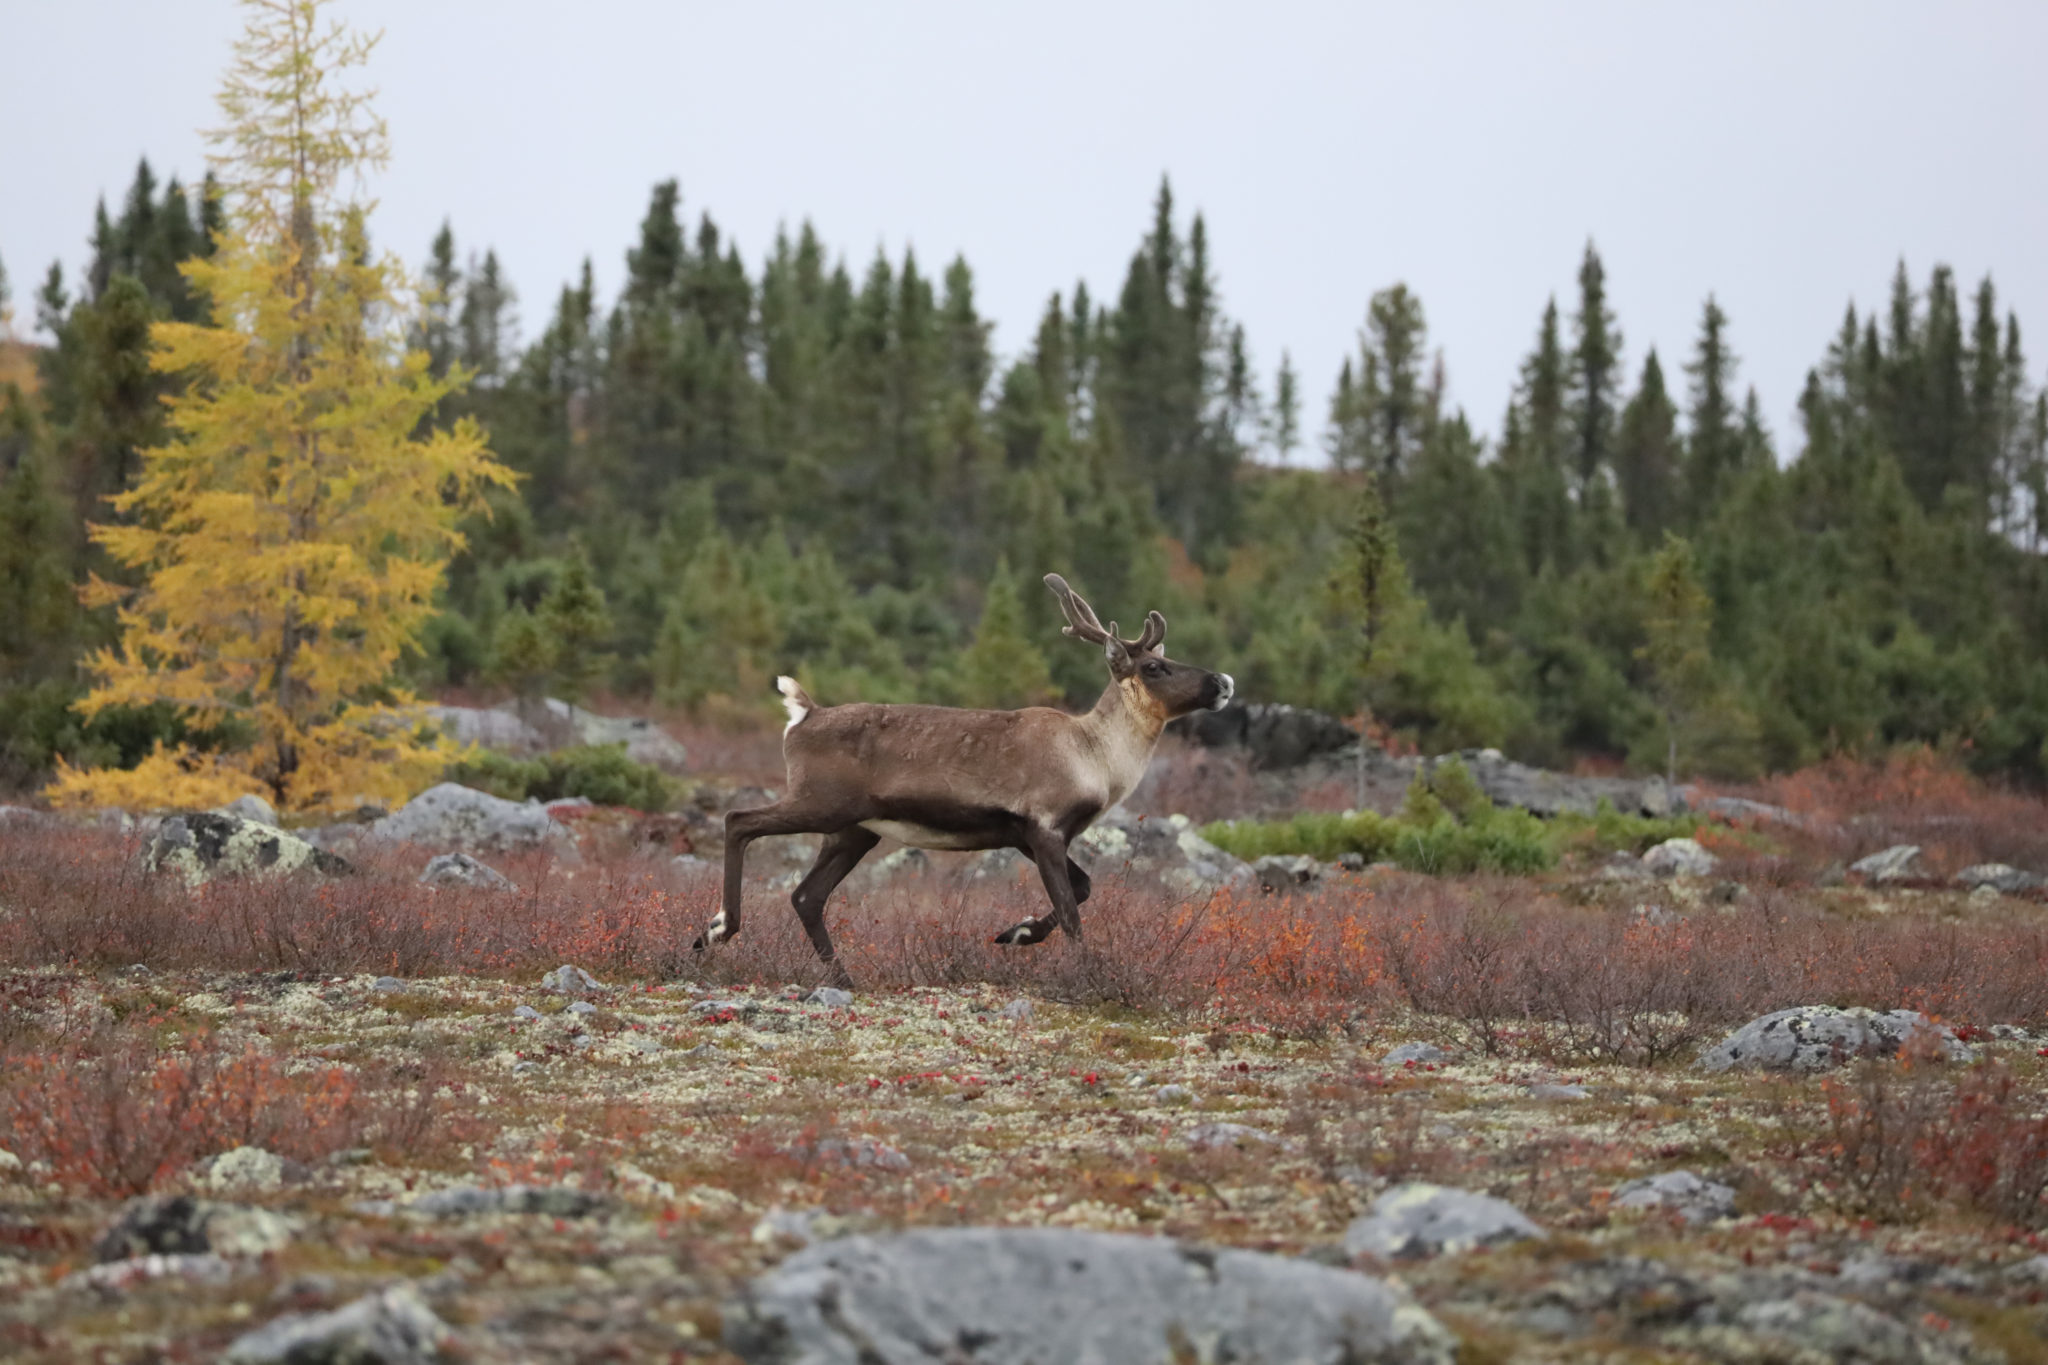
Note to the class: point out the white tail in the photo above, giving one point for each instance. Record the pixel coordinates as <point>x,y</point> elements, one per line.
<point>794,700</point>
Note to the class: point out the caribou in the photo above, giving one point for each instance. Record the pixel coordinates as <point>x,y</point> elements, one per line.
<point>957,779</point>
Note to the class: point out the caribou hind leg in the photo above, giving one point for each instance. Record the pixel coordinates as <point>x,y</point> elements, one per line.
<point>742,827</point>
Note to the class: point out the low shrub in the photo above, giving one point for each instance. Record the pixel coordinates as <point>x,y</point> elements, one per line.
<point>600,773</point>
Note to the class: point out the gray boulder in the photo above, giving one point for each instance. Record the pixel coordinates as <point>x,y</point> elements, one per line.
<point>1680,858</point>
<point>1274,736</point>
<point>1624,867</point>
<point>1899,863</point>
<point>1034,1296</point>
<point>555,1201</point>
<point>1999,877</point>
<point>645,741</point>
<point>1416,1054</point>
<point>1414,1221</point>
<point>1681,1192</point>
<point>497,728</point>
<point>1287,872</point>
<point>1544,793</point>
<point>459,869</point>
<point>1167,847</point>
<point>392,1327</point>
<point>179,1225</point>
<point>1809,1038</point>
<point>570,980</point>
<point>207,844</point>
<point>250,808</point>
<point>454,816</point>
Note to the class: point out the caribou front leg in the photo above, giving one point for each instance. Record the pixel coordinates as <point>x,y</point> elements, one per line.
<point>1066,884</point>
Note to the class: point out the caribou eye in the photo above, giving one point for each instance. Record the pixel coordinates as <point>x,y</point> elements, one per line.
<point>1155,668</point>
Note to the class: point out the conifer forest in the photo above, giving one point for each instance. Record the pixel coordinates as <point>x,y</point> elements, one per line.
<point>762,457</point>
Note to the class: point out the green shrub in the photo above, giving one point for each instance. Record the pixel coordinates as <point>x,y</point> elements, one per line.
<point>600,773</point>
<point>1607,830</point>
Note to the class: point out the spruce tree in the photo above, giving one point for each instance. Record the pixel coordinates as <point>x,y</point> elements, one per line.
<point>1596,373</point>
<point>1648,457</point>
<point>1713,441</point>
<point>442,279</point>
<point>1002,669</point>
<point>1285,433</point>
<point>576,626</point>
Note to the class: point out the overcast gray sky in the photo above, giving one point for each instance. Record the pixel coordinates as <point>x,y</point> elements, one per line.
<point>1783,155</point>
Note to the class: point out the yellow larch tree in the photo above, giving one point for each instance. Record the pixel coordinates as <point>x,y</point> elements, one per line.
<point>290,534</point>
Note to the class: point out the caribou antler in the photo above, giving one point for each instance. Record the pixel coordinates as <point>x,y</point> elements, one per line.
<point>1083,624</point>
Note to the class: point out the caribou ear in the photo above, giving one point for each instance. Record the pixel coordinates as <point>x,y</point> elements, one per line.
<point>1118,653</point>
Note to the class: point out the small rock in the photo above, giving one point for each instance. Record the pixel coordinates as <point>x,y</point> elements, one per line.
<point>800,1225</point>
<point>525,1012</point>
<point>1007,1296</point>
<point>179,1225</point>
<point>831,997</point>
<point>736,1008</point>
<point>1810,1038</point>
<point>1284,872</point>
<point>1682,1192</point>
<point>392,1327</point>
<point>351,1156</point>
<point>245,1168</point>
<point>580,1007</point>
<point>865,1153</point>
<point>1895,864</point>
<point>253,808</point>
<point>1999,877</point>
<point>1655,916</point>
<point>1547,1091</point>
<point>387,983</point>
<point>136,969</point>
<point>568,980</point>
<point>10,1164</point>
<point>452,816</point>
<point>1413,1221</point>
<point>1351,862</point>
<point>1239,1135</point>
<point>1625,867</point>
<point>1416,1054</point>
<point>1726,892</point>
<point>2033,1270</point>
<point>1680,858</point>
<point>554,1201</point>
<point>199,1268</point>
<point>459,869</point>
<point>1017,1009</point>
<point>1173,1094</point>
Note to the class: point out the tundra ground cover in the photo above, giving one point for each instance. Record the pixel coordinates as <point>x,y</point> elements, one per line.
<point>1211,1069</point>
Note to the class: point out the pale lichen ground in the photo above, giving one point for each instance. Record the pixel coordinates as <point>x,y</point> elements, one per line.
<point>723,1124</point>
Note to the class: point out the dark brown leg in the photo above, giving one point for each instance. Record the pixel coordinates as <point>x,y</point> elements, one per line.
<point>1065,884</point>
<point>742,827</point>
<point>840,855</point>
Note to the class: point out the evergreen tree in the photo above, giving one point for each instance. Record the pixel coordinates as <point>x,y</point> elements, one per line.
<point>576,628</point>
<point>1648,457</point>
<point>1713,442</point>
<point>38,609</point>
<point>1285,435</point>
<point>1596,374</point>
<point>436,332</point>
<point>1002,669</point>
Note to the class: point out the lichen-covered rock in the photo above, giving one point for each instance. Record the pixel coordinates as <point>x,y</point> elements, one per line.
<point>1899,863</point>
<point>1681,1192</point>
<point>1286,872</point>
<point>569,979</point>
<point>249,807</point>
<point>392,1327</point>
<point>1416,1054</point>
<point>459,869</point>
<point>208,844</point>
<point>1034,1296</point>
<point>2001,877</point>
<point>555,1201</point>
<point>179,1225</point>
<point>1680,858</point>
<point>245,1168</point>
<point>1810,1038</point>
<point>1168,847</point>
<point>1413,1221</point>
<point>458,817</point>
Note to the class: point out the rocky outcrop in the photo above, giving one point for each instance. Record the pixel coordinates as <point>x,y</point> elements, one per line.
<point>555,724</point>
<point>2000,877</point>
<point>207,844</point>
<point>1899,863</point>
<point>452,816</point>
<point>1272,735</point>
<point>1022,1296</point>
<point>1680,1192</point>
<point>1680,858</point>
<point>459,869</point>
<point>1168,847</point>
<point>1416,1220</point>
<point>1812,1038</point>
<point>391,1327</point>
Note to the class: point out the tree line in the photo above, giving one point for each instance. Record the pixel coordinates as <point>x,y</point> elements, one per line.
<point>729,471</point>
